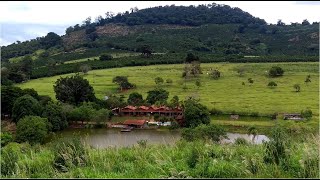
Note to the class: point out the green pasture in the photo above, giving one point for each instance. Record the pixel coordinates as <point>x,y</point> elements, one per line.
<point>226,94</point>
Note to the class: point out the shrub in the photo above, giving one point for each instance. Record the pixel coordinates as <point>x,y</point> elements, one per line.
<point>105,57</point>
<point>24,106</point>
<point>5,138</point>
<point>215,74</point>
<point>306,114</point>
<point>272,84</point>
<point>54,113</point>
<point>276,71</point>
<point>241,141</point>
<point>297,87</point>
<point>32,129</point>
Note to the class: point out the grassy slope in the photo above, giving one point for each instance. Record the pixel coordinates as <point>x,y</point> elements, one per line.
<point>227,93</point>
<point>162,161</point>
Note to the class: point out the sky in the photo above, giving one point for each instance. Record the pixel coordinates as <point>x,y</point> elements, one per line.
<point>25,20</point>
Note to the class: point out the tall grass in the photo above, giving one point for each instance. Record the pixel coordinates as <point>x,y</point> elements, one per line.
<point>197,159</point>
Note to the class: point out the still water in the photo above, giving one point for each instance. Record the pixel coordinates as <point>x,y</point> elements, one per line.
<point>103,138</point>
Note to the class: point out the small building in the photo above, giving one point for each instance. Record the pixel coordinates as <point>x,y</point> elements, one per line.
<point>136,123</point>
<point>292,116</point>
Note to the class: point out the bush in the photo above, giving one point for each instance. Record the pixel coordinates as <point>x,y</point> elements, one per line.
<point>241,141</point>
<point>54,113</point>
<point>24,106</point>
<point>306,114</point>
<point>276,71</point>
<point>204,132</point>
<point>32,129</point>
<point>272,84</point>
<point>215,74</point>
<point>5,138</point>
<point>105,57</point>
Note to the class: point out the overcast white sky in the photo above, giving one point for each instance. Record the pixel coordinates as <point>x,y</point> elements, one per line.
<point>26,20</point>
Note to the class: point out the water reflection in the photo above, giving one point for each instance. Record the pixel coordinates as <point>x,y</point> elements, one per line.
<point>103,138</point>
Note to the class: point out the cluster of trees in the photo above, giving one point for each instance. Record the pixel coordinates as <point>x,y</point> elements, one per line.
<point>28,47</point>
<point>181,15</point>
<point>17,72</point>
<point>36,115</point>
<point>123,83</point>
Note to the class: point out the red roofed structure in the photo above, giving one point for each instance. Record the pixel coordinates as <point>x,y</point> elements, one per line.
<point>151,110</point>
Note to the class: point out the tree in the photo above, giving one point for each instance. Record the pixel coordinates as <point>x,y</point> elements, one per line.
<point>215,74</point>
<point>123,82</point>
<point>54,113</point>
<point>280,23</point>
<point>308,80</point>
<point>85,68</point>
<point>26,65</point>
<point>24,106</point>
<point>174,102</point>
<point>73,90</point>
<point>32,129</point>
<point>50,40</point>
<point>276,71</point>
<point>85,112</point>
<point>115,102</point>
<point>9,94</point>
<point>105,57</point>
<point>250,80</point>
<point>195,113</point>
<point>305,22</point>
<point>135,99</point>
<point>158,80</point>
<point>191,57</point>
<point>272,84</point>
<point>204,132</point>
<point>145,50</point>
<point>157,95</point>
<point>296,87</point>
<point>102,115</point>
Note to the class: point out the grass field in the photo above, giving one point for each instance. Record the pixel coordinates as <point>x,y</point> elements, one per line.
<point>227,93</point>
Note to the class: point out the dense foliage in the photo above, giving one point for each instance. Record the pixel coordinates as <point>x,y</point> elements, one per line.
<point>276,71</point>
<point>73,90</point>
<point>54,113</point>
<point>195,113</point>
<point>32,129</point>
<point>157,95</point>
<point>25,106</point>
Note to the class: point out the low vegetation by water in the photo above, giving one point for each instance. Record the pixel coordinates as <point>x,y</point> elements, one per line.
<point>196,159</point>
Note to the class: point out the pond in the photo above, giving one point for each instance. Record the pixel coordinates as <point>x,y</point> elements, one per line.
<point>103,138</point>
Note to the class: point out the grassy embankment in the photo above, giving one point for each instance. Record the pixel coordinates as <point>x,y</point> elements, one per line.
<point>184,159</point>
<point>226,94</point>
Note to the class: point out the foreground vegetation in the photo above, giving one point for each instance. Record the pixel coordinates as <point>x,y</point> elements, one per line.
<point>197,159</point>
